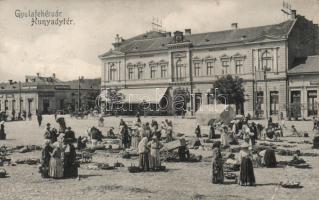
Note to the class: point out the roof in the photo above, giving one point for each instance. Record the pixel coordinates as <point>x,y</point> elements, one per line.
<point>43,83</point>
<point>85,84</point>
<point>153,41</point>
<point>305,65</point>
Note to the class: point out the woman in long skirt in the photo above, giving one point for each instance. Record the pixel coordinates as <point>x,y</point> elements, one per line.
<point>143,154</point>
<point>247,176</point>
<point>56,164</point>
<point>155,158</point>
<point>135,138</point>
<point>224,138</point>
<point>217,165</point>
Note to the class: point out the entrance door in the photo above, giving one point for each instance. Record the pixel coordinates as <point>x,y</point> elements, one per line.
<point>198,100</point>
<point>295,107</point>
<point>274,102</point>
<point>46,105</point>
<point>311,102</point>
<point>29,105</point>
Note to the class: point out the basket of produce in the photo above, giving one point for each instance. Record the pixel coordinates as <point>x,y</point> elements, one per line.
<point>3,173</point>
<point>118,164</point>
<point>230,176</point>
<point>290,184</point>
<point>134,169</point>
<point>302,166</point>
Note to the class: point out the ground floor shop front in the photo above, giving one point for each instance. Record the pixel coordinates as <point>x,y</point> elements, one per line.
<point>273,98</point>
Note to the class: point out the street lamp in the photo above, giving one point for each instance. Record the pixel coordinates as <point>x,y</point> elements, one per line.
<point>266,69</point>
<point>79,88</point>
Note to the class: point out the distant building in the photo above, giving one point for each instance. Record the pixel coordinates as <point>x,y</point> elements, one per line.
<point>47,94</point>
<point>304,86</point>
<point>154,65</point>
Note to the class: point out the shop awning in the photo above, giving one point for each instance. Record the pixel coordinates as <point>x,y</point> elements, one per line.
<point>149,95</point>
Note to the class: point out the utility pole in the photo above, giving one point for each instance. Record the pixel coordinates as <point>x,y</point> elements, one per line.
<point>20,98</point>
<point>79,94</point>
<point>266,90</point>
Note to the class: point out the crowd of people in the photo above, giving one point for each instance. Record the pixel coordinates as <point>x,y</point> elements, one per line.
<point>246,132</point>
<point>58,158</point>
<point>146,138</point>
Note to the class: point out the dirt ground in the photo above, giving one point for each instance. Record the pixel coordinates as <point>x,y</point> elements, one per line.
<point>181,181</point>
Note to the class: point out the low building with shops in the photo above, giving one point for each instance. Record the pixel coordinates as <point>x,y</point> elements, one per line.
<point>47,95</point>
<point>304,87</point>
<point>154,66</point>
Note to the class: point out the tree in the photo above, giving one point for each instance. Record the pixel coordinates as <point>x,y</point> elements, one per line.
<point>181,97</point>
<point>114,98</point>
<point>232,89</point>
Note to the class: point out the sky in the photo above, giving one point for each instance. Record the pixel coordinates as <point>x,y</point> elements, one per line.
<point>72,50</point>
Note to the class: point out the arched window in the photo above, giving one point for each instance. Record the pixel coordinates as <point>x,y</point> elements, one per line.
<point>179,69</point>
<point>112,71</point>
<point>266,60</point>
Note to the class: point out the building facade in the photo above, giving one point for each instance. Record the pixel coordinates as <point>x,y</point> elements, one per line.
<point>304,87</point>
<point>46,95</point>
<point>162,62</point>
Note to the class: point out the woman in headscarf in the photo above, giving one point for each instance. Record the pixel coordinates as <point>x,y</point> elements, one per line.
<point>124,133</point>
<point>56,164</point>
<point>45,158</point>
<point>147,131</point>
<point>155,158</point>
<point>211,131</point>
<point>2,132</point>
<point>198,131</point>
<point>143,154</point>
<point>247,176</point>
<point>69,163</point>
<point>223,138</point>
<point>135,136</point>
<point>217,165</point>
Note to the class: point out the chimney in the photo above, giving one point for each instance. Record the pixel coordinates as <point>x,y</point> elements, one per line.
<point>234,25</point>
<point>38,74</point>
<point>117,42</point>
<point>188,31</point>
<point>168,34</point>
<point>293,14</point>
<point>53,75</point>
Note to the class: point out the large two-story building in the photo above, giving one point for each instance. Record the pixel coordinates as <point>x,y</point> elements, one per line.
<point>152,66</point>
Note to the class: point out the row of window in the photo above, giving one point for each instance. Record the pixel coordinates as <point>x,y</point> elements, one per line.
<point>265,62</point>
<point>154,70</point>
<point>210,67</point>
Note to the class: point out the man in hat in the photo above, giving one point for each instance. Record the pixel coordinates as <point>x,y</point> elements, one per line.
<point>70,135</point>
<point>48,133</point>
<point>45,158</point>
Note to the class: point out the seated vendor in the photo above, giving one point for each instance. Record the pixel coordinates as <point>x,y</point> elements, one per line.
<point>110,133</point>
<point>183,151</point>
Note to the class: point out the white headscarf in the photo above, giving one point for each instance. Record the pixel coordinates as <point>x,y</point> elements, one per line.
<point>142,145</point>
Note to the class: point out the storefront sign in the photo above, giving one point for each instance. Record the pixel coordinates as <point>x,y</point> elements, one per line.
<point>46,94</point>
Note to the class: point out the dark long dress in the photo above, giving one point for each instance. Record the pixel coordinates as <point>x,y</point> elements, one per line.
<point>217,167</point>
<point>45,161</point>
<point>2,133</point>
<point>247,176</point>
<point>69,163</point>
<point>212,133</point>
